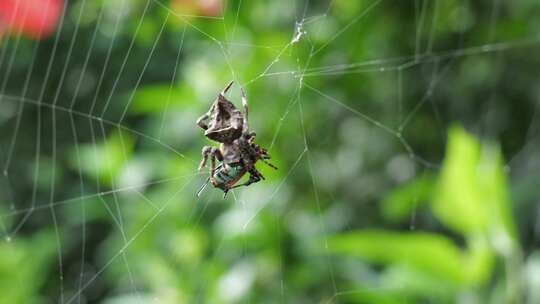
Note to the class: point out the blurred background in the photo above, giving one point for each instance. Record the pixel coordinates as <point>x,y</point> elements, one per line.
<point>406,135</point>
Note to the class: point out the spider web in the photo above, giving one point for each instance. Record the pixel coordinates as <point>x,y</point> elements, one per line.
<point>136,201</point>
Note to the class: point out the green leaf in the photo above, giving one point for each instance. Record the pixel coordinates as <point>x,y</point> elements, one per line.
<point>23,269</point>
<point>370,296</point>
<point>458,199</point>
<point>158,98</point>
<point>425,256</point>
<point>480,260</point>
<point>403,280</point>
<point>431,254</point>
<point>103,161</point>
<point>406,198</point>
<point>472,195</point>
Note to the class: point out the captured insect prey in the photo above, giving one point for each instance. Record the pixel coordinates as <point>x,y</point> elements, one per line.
<point>237,153</point>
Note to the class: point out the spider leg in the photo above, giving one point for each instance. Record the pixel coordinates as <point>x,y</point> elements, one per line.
<point>212,164</point>
<point>269,164</point>
<point>226,89</point>
<point>264,157</point>
<point>203,186</point>
<point>202,121</point>
<point>218,154</point>
<point>206,151</point>
<point>215,153</point>
<point>245,129</point>
<point>254,177</point>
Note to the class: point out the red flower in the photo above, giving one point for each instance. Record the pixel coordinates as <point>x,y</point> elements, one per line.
<point>32,18</point>
<point>209,8</point>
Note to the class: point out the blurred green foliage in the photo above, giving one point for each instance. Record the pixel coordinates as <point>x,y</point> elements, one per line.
<point>406,133</point>
<point>465,202</point>
<point>24,266</point>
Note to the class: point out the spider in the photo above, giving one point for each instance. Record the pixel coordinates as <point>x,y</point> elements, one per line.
<point>237,152</point>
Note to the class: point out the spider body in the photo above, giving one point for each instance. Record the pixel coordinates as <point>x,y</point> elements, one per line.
<point>237,152</point>
<point>223,122</point>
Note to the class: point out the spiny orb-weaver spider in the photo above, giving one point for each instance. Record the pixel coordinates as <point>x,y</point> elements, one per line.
<point>237,152</point>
